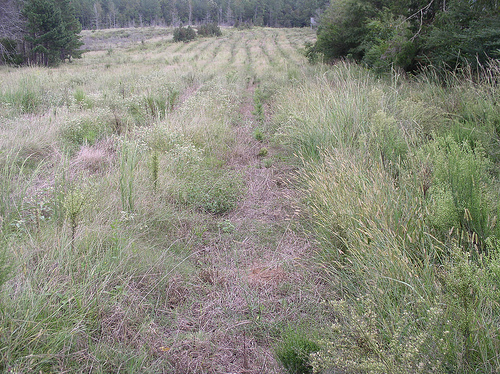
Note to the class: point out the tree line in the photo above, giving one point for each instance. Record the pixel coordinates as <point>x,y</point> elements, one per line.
<point>97,14</point>
<point>409,34</point>
<point>46,32</point>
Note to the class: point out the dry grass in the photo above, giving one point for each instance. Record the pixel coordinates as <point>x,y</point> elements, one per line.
<point>137,280</point>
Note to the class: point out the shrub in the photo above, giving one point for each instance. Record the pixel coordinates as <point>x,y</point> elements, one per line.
<point>294,352</point>
<point>184,34</point>
<point>460,196</point>
<point>243,25</point>
<point>209,29</point>
<point>85,131</point>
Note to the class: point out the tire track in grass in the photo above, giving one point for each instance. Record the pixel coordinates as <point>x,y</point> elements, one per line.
<point>252,280</point>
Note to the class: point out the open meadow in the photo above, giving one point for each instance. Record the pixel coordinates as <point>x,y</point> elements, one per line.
<point>223,206</point>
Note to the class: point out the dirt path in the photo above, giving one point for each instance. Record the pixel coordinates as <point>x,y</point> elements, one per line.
<point>247,292</point>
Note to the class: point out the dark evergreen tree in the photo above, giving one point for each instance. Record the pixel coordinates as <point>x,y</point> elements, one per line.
<point>52,31</point>
<point>70,42</point>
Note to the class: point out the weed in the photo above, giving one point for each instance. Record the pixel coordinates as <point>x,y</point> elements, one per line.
<point>82,99</point>
<point>294,352</point>
<point>460,189</point>
<point>258,111</point>
<point>129,158</point>
<point>210,192</point>
<point>258,135</point>
<point>86,130</point>
<point>263,152</point>
<point>154,170</point>
<point>74,201</point>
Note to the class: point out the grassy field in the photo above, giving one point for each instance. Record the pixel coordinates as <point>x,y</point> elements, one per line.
<point>146,216</point>
<point>222,206</point>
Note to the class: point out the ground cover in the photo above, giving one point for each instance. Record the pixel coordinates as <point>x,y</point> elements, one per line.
<point>222,206</point>
<point>148,228</point>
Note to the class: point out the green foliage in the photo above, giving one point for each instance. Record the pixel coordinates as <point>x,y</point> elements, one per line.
<point>473,298</point>
<point>129,158</point>
<point>460,195</point>
<point>258,103</point>
<point>386,139</point>
<point>311,52</point>
<point>343,29</point>
<point>408,35</point>
<point>6,266</point>
<point>27,97</point>
<point>294,352</point>
<point>52,31</point>
<point>209,29</point>
<point>84,131</point>
<point>262,152</point>
<point>159,104</point>
<point>154,166</point>
<point>258,135</point>
<point>388,43</point>
<point>184,34</point>
<point>404,202</point>
<point>82,99</point>
<point>465,34</point>
<point>74,201</point>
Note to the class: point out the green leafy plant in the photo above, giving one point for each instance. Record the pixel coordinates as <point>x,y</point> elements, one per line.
<point>459,196</point>
<point>294,352</point>
<point>258,135</point>
<point>215,193</point>
<point>82,99</point>
<point>263,152</point>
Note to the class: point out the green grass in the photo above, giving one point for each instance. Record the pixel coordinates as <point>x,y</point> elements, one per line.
<point>400,202</point>
<point>178,208</point>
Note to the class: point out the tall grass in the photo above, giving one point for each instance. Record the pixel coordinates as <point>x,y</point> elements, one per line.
<point>405,208</point>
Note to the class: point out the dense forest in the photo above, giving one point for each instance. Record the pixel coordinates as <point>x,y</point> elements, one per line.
<point>96,14</point>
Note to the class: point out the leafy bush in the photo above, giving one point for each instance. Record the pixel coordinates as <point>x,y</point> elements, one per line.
<point>184,34</point>
<point>388,43</point>
<point>209,29</point>
<point>343,29</point>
